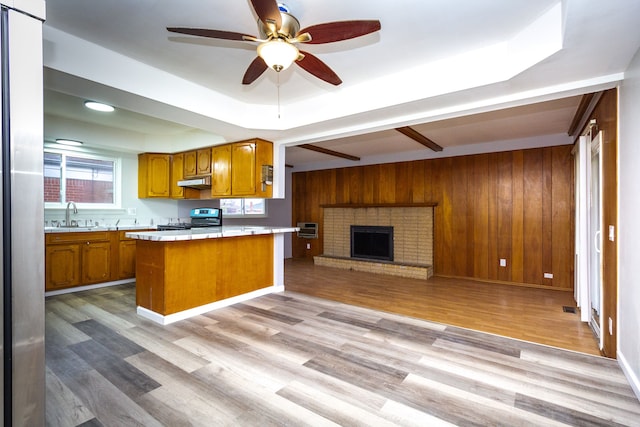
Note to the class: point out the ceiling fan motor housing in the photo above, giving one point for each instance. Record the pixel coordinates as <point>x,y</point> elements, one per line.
<point>289,29</point>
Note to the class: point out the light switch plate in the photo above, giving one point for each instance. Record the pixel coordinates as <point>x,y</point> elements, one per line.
<point>612,233</point>
<point>503,262</point>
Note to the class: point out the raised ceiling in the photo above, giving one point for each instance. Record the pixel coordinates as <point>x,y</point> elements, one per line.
<point>455,71</point>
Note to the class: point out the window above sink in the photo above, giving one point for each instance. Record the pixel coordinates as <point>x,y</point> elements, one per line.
<point>90,180</point>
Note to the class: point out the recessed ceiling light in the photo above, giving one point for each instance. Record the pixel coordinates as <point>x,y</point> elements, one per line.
<point>68,142</point>
<point>98,106</point>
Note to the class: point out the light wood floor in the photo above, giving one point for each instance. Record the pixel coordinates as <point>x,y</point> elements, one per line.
<point>529,314</point>
<point>296,360</point>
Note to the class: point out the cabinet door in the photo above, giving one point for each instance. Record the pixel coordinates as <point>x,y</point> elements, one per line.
<point>153,175</point>
<point>62,266</point>
<point>177,174</point>
<point>243,169</point>
<point>204,161</point>
<point>127,259</point>
<point>96,262</point>
<point>221,176</point>
<point>190,164</point>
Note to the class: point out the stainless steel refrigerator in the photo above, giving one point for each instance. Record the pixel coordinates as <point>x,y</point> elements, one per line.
<point>22,214</point>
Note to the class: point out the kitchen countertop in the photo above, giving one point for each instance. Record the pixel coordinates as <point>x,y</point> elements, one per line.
<point>98,228</point>
<point>208,233</point>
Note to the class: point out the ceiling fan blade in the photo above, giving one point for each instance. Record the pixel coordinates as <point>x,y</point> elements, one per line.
<point>318,68</point>
<point>269,14</point>
<point>255,70</point>
<point>213,34</point>
<point>341,30</point>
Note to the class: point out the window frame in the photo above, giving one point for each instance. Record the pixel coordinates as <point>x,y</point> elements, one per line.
<point>117,178</point>
<point>243,214</point>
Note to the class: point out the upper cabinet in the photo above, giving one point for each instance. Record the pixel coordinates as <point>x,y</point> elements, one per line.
<point>236,170</point>
<point>153,175</point>
<point>197,163</point>
<point>243,171</point>
<point>221,176</point>
<point>177,174</point>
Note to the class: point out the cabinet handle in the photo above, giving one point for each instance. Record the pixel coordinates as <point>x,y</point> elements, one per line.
<point>88,243</point>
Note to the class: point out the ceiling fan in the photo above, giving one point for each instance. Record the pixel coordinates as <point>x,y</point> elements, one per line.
<point>280,32</point>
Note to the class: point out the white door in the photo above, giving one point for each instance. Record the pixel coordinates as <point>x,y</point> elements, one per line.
<point>588,276</point>
<point>595,237</point>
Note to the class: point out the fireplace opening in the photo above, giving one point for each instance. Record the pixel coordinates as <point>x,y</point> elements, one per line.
<point>372,242</point>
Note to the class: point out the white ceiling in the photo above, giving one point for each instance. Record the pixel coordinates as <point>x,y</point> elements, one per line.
<point>464,73</point>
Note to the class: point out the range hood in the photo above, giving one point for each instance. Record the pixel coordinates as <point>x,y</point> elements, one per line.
<point>199,183</point>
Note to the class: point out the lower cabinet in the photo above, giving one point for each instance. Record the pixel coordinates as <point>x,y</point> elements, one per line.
<point>85,258</point>
<point>126,257</point>
<point>62,266</point>
<point>96,262</point>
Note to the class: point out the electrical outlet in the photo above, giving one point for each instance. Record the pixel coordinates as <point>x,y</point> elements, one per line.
<point>612,233</point>
<point>548,275</point>
<point>308,245</point>
<point>503,262</point>
<point>131,211</point>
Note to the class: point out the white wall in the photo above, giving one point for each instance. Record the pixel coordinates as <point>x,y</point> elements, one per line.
<point>629,231</point>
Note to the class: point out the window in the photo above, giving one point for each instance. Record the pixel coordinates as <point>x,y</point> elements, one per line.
<point>80,178</point>
<point>243,207</point>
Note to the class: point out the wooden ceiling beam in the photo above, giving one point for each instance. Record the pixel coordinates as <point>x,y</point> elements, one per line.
<point>417,136</point>
<point>580,112</point>
<point>329,152</point>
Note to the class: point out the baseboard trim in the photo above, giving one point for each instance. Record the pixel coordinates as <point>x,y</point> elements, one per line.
<point>503,282</point>
<point>88,287</point>
<point>633,379</point>
<point>196,311</point>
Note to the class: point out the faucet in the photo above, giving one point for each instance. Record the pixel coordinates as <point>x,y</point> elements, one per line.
<point>67,215</point>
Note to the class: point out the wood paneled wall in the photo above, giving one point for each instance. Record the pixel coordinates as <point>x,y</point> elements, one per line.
<point>516,205</point>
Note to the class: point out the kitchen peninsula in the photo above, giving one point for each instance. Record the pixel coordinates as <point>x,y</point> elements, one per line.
<point>184,273</point>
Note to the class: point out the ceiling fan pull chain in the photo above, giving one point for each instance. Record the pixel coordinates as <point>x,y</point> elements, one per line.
<point>278,86</point>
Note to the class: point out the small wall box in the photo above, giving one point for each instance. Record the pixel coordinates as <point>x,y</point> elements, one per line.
<point>308,230</point>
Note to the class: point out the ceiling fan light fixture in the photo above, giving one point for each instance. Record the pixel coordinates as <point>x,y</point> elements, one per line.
<point>278,54</point>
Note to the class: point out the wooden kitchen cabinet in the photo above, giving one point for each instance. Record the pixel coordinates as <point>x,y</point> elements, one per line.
<point>237,169</point>
<point>197,163</point>
<point>204,162</point>
<point>177,174</point>
<point>96,262</point>
<point>77,258</point>
<point>243,169</point>
<point>221,176</point>
<point>126,256</point>
<point>62,266</point>
<point>190,164</point>
<point>154,170</point>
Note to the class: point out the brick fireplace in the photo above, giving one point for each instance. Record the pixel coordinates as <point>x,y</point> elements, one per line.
<point>412,239</point>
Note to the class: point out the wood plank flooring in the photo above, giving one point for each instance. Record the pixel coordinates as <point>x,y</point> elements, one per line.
<point>529,314</point>
<point>293,359</point>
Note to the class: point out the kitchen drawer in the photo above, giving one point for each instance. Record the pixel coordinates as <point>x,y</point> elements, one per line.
<point>81,236</point>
